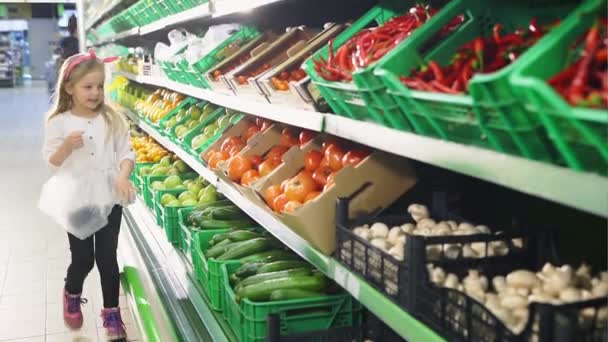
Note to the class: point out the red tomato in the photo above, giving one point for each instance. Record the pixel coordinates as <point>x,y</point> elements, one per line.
<point>320,175</point>
<point>208,155</point>
<point>284,75</point>
<point>242,80</point>
<point>282,86</point>
<point>298,74</point>
<point>300,186</point>
<point>237,166</point>
<point>279,203</point>
<point>271,193</point>
<point>250,132</point>
<point>255,160</point>
<point>334,155</point>
<point>217,157</point>
<point>249,177</point>
<point>354,157</point>
<point>291,206</point>
<point>276,152</point>
<point>312,160</point>
<point>311,196</point>
<point>231,142</point>
<point>327,143</point>
<point>267,166</point>
<point>306,136</point>
<point>288,138</point>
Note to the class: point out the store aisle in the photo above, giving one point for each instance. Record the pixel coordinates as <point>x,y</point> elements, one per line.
<point>33,251</point>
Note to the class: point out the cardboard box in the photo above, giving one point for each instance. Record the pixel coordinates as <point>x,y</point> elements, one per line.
<point>299,95</point>
<point>288,45</point>
<point>220,84</point>
<point>384,178</point>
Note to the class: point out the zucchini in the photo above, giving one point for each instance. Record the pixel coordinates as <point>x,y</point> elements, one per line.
<point>248,269</point>
<point>287,294</point>
<point>261,291</point>
<point>270,256</point>
<point>218,250</point>
<point>254,279</point>
<point>215,224</point>
<point>282,265</point>
<point>248,247</point>
<point>228,213</point>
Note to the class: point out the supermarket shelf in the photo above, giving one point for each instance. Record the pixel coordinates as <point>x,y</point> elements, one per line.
<point>295,117</point>
<point>400,321</point>
<point>124,34</point>
<point>177,269</point>
<point>227,7</point>
<point>198,12</point>
<point>91,22</point>
<point>580,190</point>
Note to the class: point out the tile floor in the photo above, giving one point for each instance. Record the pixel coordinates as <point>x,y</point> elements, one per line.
<point>34,252</point>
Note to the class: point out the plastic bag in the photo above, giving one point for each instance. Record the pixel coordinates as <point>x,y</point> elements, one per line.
<point>79,200</point>
<point>212,39</point>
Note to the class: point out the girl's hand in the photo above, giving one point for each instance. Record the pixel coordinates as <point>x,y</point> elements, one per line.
<point>74,140</point>
<point>125,189</point>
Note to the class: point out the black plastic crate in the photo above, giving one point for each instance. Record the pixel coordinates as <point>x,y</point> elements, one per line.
<point>452,313</point>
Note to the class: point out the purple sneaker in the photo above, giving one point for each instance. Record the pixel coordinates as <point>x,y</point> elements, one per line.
<point>72,316</point>
<point>115,328</point>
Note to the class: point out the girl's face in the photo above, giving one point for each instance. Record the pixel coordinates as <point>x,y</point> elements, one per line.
<point>87,93</point>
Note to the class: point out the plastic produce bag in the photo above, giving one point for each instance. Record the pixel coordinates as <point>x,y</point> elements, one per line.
<point>212,38</point>
<point>80,200</point>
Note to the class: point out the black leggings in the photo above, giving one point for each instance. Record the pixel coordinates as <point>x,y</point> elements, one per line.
<point>101,248</point>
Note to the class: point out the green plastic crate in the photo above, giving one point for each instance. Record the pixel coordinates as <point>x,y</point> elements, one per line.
<point>168,216</point>
<point>248,319</point>
<point>217,136</point>
<point>218,54</point>
<point>490,116</point>
<point>188,101</point>
<point>185,232</point>
<point>172,135</point>
<point>208,270</point>
<point>147,191</point>
<point>360,99</point>
<point>580,135</point>
<point>186,142</point>
<point>135,178</point>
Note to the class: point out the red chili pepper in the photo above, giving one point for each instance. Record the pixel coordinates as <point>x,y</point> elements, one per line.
<point>330,54</point>
<point>496,33</point>
<point>342,57</point>
<point>533,27</point>
<point>437,72</point>
<point>592,41</point>
<point>601,56</point>
<point>565,75</point>
<point>442,88</point>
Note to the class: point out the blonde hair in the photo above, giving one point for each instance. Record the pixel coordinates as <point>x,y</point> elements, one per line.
<point>63,100</point>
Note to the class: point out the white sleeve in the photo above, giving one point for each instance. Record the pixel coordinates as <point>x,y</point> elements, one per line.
<point>53,138</point>
<point>123,147</point>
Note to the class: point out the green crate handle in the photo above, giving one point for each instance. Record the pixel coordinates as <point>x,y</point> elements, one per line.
<point>530,85</point>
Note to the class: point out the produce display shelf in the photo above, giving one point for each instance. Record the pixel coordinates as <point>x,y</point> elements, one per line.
<point>580,190</point>
<point>198,12</point>
<point>128,33</point>
<point>215,328</point>
<point>400,321</point>
<point>100,14</point>
<point>295,117</point>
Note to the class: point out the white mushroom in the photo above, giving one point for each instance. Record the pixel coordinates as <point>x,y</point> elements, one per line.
<point>582,276</point>
<point>600,289</point>
<point>401,240</point>
<point>408,228</point>
<point>380,243</point>
<point>518,242</point>
<point>362,231</point>
<point>422,231</point>
<point>468,252</point>
<point>521,315</point>
<point>433,252</point>
<point>498,248</point>
<point>474,280</point>
<point>379,230</point>
<point>426,223</point>
<point>397,251</point>
<point>555,279</point>
<point>466,226</point>
<point>418,211</point>
<point>451,281</point>
<point>479,248</point>
<point>522,278</point>
<point>570,294</point>
<point>452,251</point>
<point>438,276</point>
<point>540,298</point>
<point>483,229</point>
<point>365,234</point>
<point>453,225</point>
<point>499,283</point>
<point>393,234</point>
<point>514,301</point>
<point>442,230</point>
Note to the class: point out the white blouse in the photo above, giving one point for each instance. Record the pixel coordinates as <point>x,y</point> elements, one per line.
<point>99,151</point>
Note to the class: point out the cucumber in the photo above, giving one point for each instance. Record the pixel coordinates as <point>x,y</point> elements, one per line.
<point>234,280</point>
<point>258,278</point>
<point>215,204</point>
<point>282,265</point>
<point>218,250</point>
<point>237,235</point>
<point>287,294</point>
<point>261,291</point>
<point>247,248</point>
<point>228,213</point>
<point>270,256</point>
<point>248,269</point>
<point>215,224</point>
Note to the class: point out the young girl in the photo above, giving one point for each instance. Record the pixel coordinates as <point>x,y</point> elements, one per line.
<point>84,134</point>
